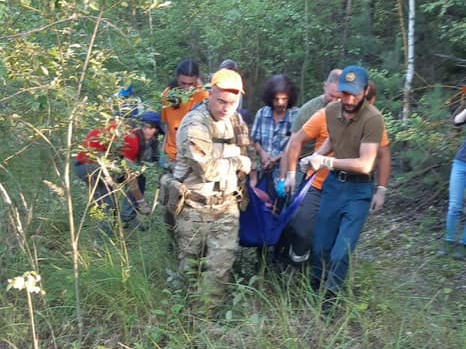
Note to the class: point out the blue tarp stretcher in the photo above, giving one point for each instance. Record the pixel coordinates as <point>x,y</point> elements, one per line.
<point>258,224</point>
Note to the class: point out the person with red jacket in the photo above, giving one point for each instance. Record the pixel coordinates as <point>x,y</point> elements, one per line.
<point>97,164</point>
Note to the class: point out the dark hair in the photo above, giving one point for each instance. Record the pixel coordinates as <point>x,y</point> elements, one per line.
<point>371,91</point>
<point>187,67</point>
<point>229,64</point>
<point>279,83</point>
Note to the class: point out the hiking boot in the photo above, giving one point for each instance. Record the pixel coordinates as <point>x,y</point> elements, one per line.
<point>460,252</point>
<point>446,247</point>
<point>298,258</point>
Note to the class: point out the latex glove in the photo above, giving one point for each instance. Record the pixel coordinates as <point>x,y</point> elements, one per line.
<point>305,164</point>
<point>280,188</point>
<point>319,161</point>
<point>143,207</point>
<point>378,199</point>
<point>245,164</point>
<point>290,182</point>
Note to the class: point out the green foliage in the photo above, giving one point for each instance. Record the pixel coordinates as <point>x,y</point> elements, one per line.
<point>53,80</point>
<point>425,145</point>
<point>452,12</point>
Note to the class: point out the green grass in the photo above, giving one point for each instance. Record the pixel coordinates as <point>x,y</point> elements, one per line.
<point>399,294</point>
<point>394,302</point>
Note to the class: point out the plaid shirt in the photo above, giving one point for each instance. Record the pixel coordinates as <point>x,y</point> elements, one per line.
<point>272,136</point>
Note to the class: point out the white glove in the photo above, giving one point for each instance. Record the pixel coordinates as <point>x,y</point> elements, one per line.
<point>378,199</point>
<point>305,164</point>
<point>245,165</point>
<point>290,182</point>
<point>143,207</point>
<point>319,161</point>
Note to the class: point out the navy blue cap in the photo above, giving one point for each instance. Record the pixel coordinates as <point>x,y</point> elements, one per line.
<point>152,118</point>
<point>353,80</point>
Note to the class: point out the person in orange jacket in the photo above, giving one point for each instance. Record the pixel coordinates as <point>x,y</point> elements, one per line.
<point>177,100</point>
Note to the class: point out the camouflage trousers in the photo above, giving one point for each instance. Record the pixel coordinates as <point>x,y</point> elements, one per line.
<point>207,241</point>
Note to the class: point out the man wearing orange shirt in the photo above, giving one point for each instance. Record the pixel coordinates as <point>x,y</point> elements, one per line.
<point>177,100</point>
<point>302,225</point>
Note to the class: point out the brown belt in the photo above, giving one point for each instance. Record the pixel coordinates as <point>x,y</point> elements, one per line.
<point>210,200</point>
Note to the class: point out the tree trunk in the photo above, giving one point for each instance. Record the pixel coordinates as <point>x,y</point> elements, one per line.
<point>306,49</point>
<point>410,65</point>
<point>346,28</point>
<point>401,17</point>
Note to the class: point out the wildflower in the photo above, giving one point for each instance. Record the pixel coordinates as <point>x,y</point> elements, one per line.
<point>29,281</point>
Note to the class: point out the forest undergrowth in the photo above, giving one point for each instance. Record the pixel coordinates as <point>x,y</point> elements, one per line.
<point>399,293</point>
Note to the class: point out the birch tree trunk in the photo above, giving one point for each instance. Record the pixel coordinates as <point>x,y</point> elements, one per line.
<point>410,63</point>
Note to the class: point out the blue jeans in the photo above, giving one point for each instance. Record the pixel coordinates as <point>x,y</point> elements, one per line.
<point>128,205</point>
<point>344,207</point>
<point>103,193</point>
<point>456,200</point>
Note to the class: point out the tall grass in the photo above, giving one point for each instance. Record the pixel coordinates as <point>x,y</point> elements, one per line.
<point>399,294</point>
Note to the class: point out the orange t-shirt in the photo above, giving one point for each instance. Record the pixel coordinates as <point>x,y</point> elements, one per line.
<point>316,128</point>
<point>172,117</point>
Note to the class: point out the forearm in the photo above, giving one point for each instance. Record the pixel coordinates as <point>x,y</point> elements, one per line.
<point>259,150</point>
<point>364,164</point>
<point>383,166</point>
<point>325,148</point>
<point>292,150</point>
<point>284,163</point>
<point>356,165</point>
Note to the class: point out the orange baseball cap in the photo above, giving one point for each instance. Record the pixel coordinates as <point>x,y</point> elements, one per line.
<point>227,79</point>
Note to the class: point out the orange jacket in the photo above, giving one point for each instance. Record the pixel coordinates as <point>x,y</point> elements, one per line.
<point>172,117</point>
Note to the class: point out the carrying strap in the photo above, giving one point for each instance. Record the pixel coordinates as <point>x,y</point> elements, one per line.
<point>186,175</point>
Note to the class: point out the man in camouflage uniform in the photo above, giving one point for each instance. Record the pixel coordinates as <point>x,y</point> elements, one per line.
<point>208,163</point>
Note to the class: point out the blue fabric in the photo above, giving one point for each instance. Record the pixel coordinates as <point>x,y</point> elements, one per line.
<point>343,211</point>
<point>126,92</point>
<point>353,80</point>
<point>258,226</point>
<point>91,175</point>
<point>152,118</point>
<point>272,136</point>
<point>280,188</point>
<point>456,200</point>
<point>461,154</point>
<point>103,193</point>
